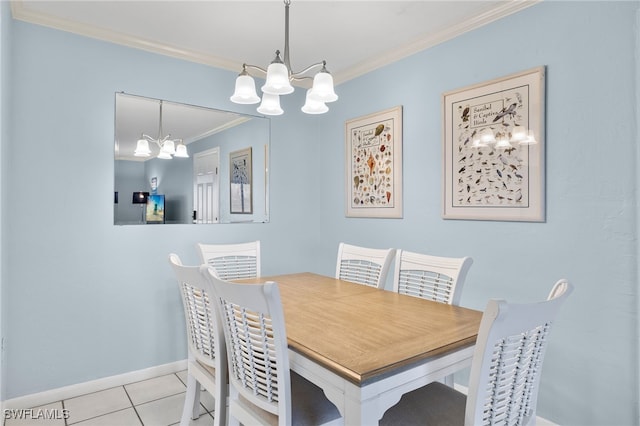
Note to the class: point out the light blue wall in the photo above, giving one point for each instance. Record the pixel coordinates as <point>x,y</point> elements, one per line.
<point>590,374</point>
<point>99,300</point>
<point>88,299</point>
<point>5,48</point>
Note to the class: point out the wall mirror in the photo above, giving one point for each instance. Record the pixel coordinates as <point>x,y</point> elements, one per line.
<point>185,164</point>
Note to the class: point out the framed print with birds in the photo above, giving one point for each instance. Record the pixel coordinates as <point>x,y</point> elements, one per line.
<point>373,165</point>
<point>493,135</point>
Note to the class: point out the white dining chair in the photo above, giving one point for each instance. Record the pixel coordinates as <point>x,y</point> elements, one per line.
<point>363,265</point>
<point>505,370</point>
<point>232,261</point>
<point>207,355</point>
<point>262,388</point>
<point>430,277</point>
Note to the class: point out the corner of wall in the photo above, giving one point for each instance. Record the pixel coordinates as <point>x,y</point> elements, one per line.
<point>5,39</point>
<point>637,195</point>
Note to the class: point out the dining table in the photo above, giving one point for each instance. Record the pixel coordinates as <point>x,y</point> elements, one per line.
<point>366,347</point>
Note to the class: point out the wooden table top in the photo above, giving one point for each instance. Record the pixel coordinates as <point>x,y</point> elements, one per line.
<point>361,332</point>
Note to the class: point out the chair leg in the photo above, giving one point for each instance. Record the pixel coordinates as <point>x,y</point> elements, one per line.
<point>448,380</point>
<point>191,407</point>
<point>220,403</point>
<point>232,420</point>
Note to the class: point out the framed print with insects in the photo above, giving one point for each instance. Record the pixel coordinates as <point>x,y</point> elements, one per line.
<point>373,165</point>
<point>493,136</point>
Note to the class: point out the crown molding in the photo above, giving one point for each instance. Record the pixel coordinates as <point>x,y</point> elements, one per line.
<point>20,12</point>
<point>433,40</point>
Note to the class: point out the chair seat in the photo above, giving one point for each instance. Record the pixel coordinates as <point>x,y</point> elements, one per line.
<point>434,404</point>
<point>309,406</point>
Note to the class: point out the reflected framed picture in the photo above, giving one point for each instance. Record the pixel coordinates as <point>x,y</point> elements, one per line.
<point>240,181</point>
<point>493,136</point>
<point>373,165</point>
<point>155,209</point>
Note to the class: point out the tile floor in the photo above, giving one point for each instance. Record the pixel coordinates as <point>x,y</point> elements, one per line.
<point>153,402</point>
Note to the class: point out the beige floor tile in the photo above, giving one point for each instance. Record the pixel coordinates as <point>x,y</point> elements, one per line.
<point>156,388</point>
<point>126,417</point>
<point>96,404</point>
<point>163,412</point>
<point>44,415</point>
<point>203,420</point>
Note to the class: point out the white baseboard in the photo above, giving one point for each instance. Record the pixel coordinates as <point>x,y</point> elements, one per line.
<point>66,392</point>
<point>539,420</point>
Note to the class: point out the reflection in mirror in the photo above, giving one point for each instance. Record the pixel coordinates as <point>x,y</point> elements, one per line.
<point>221,178</point>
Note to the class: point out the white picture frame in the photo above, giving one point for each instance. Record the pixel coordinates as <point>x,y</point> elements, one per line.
<point>488,183</point>
<point>373,165</point>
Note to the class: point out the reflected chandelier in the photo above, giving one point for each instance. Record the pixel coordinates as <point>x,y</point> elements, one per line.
<point>168,148</point>
<point>278,82</point>
<point>502,139</point>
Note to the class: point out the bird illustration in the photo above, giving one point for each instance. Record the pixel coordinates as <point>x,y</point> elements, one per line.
<point>465,114</point>
<point>506,111</point>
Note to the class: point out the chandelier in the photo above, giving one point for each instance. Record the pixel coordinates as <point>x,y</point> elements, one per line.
<point>278,82</point>
<point>168,148</point>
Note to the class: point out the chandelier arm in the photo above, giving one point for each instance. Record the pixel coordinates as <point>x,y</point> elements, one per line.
<point>306,77</point>
<point>298,75</point>
<point>158,142</point>
<point>254,67</point>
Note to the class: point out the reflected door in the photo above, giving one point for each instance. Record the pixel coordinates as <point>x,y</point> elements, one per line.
<point>206,186</point>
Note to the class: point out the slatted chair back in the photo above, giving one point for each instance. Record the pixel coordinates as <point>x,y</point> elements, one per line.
<point>430,277</point>
<point>232,261</point>
<point>207,360</point>
<point>262,388</point>
<point>363,265</point>
<point>507,362</point>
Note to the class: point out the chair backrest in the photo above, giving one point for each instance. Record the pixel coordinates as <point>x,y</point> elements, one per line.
<point>363,265</point>
<point>204,331</point>
<point>430,277</point>
<point>256,339</point>
<point>232,261</point>
<point>507,362</point>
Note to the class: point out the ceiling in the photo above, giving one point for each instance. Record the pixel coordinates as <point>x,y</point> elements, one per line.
<point>354,37</point>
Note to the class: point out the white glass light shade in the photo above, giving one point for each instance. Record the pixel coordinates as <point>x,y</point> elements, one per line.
<point>168,147</point>
<point>270,105</point>
<point>518,134</point>
<point>503,143</point>
<point>277,82</point>
<point>181,151</point>
<point>322,89</point>
<point>477,142</point>
<point>245,92</point>
<point>142,149</point>
<point>164,155</point>
<point>312,106</point>
<point>530,139</point>
<point>486,136</point>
